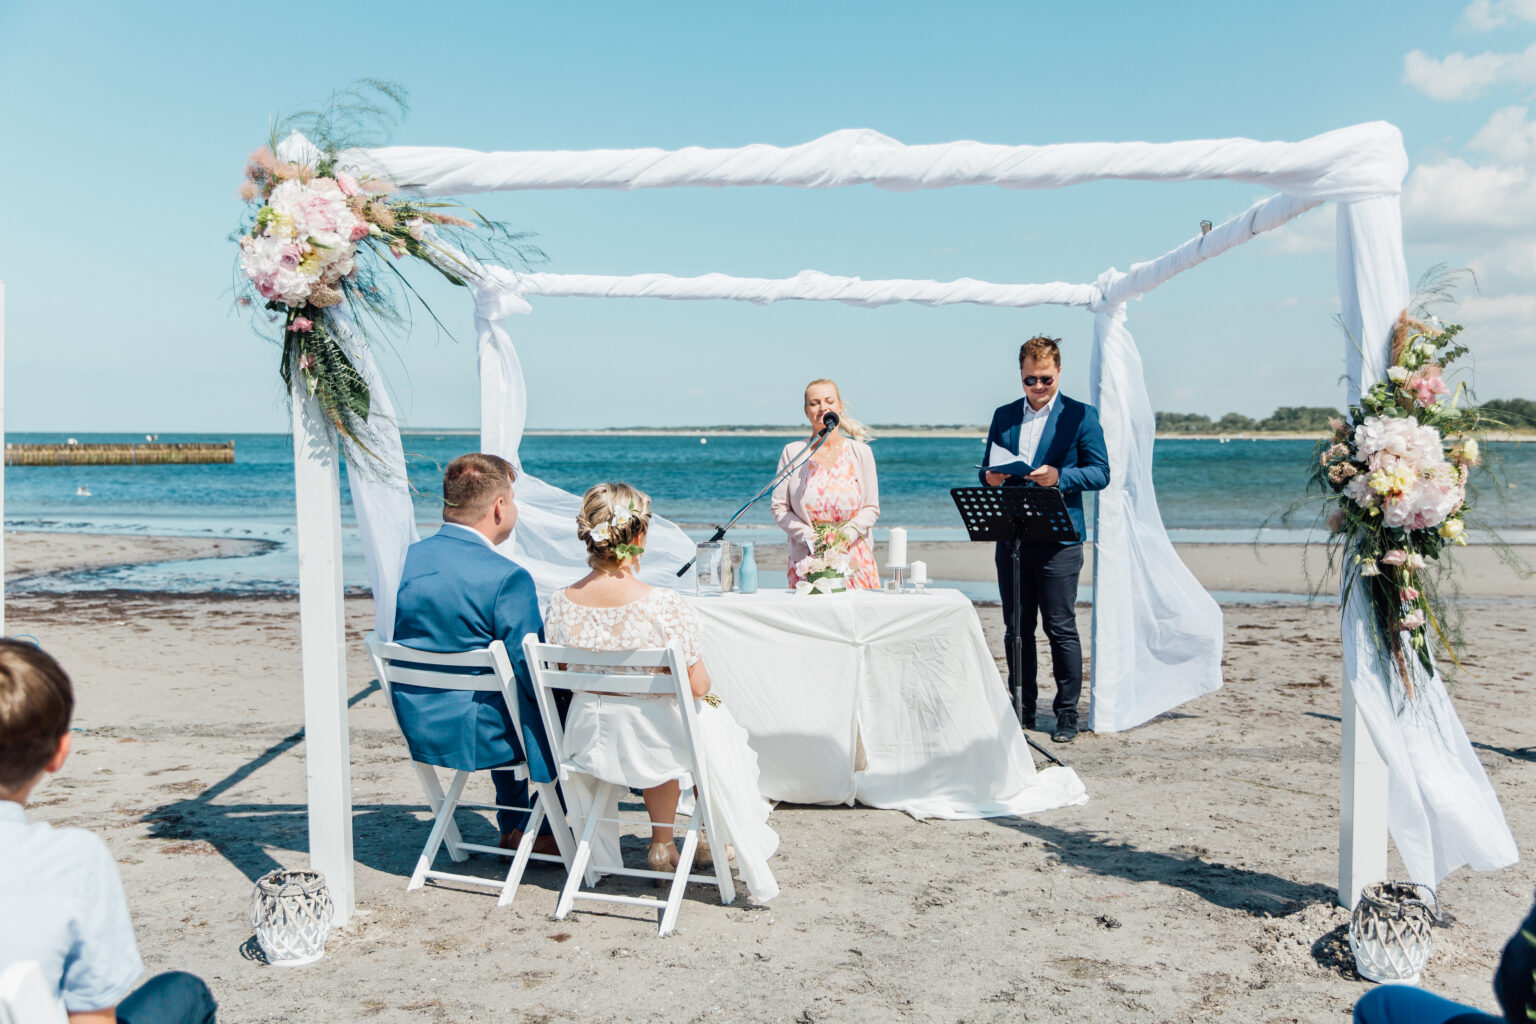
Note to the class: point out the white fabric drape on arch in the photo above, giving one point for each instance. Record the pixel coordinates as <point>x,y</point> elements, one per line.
<point>1156,632</point>
<point>1441,808</point>
<point>545,541</point>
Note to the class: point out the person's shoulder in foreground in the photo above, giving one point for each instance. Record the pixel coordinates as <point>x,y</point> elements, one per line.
<point>63,883</point>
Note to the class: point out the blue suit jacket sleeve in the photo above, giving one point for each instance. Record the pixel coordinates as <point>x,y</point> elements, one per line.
<point>994,436</point>
<point>517,615</point>
<point>1091,472</point>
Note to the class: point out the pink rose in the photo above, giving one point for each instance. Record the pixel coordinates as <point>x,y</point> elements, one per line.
<point>359,230</point>
<point>347,183</point>
<point>301,324</point>
<point>290,255</point>
<point>1412,621</point>
<point>1397,556</point>
<point>1410,594</point>
<point>1426,385</point>
<point>307,361</point>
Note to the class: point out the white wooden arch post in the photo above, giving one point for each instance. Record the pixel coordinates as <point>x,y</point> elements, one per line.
<point>322,639</point>
<point>1153,624</point>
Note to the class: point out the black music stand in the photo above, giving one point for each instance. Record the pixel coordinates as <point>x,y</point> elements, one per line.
<point>1015,516</point>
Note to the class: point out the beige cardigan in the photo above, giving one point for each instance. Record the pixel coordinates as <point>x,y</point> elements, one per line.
<point>789,497</point>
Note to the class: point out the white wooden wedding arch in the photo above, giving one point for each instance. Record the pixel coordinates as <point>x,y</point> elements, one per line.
<point>1156,637</point>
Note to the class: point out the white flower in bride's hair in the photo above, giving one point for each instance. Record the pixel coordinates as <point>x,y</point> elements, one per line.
<point>599,534</point>
<point>622,516</point>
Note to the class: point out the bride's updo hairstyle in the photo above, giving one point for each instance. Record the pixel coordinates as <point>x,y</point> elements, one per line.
<point>612,516</point>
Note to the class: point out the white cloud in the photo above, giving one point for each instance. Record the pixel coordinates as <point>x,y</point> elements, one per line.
<point>1487,15</point>
<point>1502,332</point>
<point>1452,201</point>
<point>1314,231</point>
<point>1459,77</point>
<point>1514,260</point>
<point>1507,137</point>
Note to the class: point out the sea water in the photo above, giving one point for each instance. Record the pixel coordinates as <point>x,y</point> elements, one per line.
<point>1207,491</point>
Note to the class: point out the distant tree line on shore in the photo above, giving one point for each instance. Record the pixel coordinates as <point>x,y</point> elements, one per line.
<point>1309,419</point>
<point>1509,413</point>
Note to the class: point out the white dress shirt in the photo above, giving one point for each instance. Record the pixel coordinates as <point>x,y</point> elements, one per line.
<point>1032,427</point>
<point>466,533</point>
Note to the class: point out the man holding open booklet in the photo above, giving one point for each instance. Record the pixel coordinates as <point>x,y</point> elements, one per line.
<point>1046,439</point>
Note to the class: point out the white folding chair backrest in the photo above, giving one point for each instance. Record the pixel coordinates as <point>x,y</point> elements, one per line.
<point>399,665</point>
<point>578,670</point>
<point>27,998</point>
<point>546,666</point>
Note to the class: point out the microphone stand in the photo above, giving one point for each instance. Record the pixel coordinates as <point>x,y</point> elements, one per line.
<point>795,463</point>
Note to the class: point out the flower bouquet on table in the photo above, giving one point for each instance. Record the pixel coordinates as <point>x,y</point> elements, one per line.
<point>827,569</point>
<point>1395,475</point>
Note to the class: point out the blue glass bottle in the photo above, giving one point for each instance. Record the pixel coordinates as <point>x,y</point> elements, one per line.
<point>746,579</point>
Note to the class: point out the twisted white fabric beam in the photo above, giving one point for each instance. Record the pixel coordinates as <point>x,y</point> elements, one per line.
<point>810,285</point>
<point>815,286</point>
<point>1264,215</point>
<point>1349,163</point>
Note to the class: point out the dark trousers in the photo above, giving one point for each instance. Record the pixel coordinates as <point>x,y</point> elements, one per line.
<point>512,792</point>
<point>174,998</point>
<point>1048,575</point>
<point>1404,1004</point>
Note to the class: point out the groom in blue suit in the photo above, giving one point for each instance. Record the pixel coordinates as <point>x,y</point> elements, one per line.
<point>457,593</point>
<point>1061,439</point>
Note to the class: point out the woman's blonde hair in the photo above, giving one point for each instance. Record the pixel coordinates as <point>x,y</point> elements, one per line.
<point>845,422</point>
<point>617,513</point>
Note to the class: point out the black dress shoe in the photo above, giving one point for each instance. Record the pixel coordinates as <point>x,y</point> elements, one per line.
<point>1028,721</point>
<point>1066,729</point>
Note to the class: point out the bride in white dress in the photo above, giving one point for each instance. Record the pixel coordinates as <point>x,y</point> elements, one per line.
<point>636,741</point>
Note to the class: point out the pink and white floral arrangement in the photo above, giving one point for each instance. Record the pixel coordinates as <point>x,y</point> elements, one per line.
<point>1395,474</point>
<point>827,569</point>
<point>317,243</point>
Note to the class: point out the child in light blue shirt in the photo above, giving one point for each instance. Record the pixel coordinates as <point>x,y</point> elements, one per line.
<point>63,883</point>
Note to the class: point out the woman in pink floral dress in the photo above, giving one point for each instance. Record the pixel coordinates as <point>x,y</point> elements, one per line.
<point>837,487</point>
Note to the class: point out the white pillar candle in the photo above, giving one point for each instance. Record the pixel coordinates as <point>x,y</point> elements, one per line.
<point>919,572</point>
<point>896,547</point>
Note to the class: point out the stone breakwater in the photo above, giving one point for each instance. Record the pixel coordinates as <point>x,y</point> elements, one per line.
<point>131,454</point>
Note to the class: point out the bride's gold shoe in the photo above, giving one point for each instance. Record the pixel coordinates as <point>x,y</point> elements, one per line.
<point>704,857</point>
<point>663,857</point>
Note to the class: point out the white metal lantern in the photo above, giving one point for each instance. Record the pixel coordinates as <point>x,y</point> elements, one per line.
<point>1390,931</point>
<point>291,915</point>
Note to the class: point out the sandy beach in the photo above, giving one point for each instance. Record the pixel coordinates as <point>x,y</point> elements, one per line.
<point>1196,884</point>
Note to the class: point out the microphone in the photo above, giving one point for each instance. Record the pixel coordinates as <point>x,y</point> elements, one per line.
<point>829,422</point>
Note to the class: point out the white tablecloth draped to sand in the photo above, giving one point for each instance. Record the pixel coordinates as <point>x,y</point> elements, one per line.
<point>892,700</point>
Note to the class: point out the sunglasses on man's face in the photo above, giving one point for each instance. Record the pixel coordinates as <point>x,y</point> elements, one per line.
<point>1030,382</point>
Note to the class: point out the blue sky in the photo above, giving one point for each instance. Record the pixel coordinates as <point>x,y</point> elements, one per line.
<point>125,129</point>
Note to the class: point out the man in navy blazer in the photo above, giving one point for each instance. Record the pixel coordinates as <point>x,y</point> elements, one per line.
<point>458,593</point>
<point>1061,439</point>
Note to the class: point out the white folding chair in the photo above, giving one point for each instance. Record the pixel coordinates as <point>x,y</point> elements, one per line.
<point>577,669</point>
<point>26,998</point>
<point>398,664</point>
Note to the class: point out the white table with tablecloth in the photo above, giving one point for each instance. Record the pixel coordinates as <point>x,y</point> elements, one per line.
<point>890,700</point>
